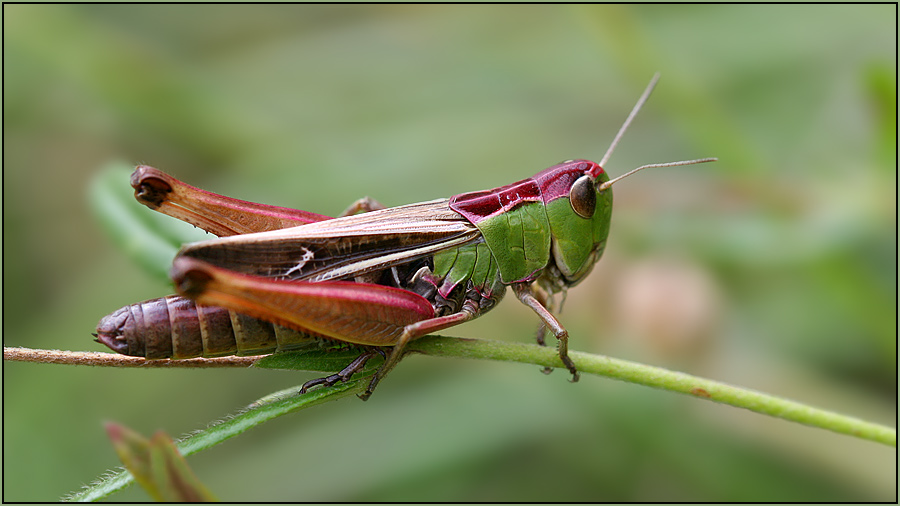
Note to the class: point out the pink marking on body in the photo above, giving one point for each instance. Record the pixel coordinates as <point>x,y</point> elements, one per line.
<point>556,181</point>
<point>480,205</point>
<point>546,186</point>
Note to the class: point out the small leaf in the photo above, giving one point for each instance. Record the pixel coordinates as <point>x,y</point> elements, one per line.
<point>176,480</point>
<point>157,466</point>
<point>134,452</point>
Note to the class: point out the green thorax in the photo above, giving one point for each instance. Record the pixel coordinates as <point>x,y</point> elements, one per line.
<point>531,224</point>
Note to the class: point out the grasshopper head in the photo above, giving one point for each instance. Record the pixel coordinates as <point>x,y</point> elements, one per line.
<point>580,223</point>
<point>582,226</point>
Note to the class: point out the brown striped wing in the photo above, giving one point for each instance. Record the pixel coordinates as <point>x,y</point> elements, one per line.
<point>341,248</point>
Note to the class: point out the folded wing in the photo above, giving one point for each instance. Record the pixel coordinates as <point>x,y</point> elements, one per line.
<point>341,248</point>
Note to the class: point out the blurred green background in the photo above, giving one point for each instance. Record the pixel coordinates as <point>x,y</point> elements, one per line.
<point>773,269</point>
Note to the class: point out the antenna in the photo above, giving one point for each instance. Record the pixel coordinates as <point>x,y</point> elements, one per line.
<point>634,111</point>
<point>604,186</point>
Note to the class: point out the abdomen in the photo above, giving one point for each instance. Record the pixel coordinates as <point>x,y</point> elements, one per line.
<point>176,327</point>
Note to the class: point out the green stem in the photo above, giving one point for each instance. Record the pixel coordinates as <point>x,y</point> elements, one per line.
<point>664,379</point>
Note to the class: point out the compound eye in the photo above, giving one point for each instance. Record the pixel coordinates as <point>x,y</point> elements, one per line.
<point>583,197</point>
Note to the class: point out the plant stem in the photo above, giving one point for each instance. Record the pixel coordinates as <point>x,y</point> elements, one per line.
<point>664,379</point>
<point>115,360</point>
<point>600,365</point>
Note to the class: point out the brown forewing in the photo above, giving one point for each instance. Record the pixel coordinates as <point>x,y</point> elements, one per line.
<point>341,248</point>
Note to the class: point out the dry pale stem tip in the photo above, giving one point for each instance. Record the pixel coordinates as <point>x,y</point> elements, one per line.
<point>113,360</point>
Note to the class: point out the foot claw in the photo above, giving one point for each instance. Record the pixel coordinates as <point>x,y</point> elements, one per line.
<point>344,375</point>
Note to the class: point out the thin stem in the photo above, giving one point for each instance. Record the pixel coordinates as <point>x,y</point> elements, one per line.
<point>114,360</point>
<point>663,379</point>
<point>600,365</point>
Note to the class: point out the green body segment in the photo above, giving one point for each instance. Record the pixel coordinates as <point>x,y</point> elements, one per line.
<point>472,262</point>
<point>519,240</point>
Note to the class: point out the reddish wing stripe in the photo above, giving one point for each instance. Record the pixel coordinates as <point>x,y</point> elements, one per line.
<point>353,312</point>
<point>217,214</point>
<point>476,206</point>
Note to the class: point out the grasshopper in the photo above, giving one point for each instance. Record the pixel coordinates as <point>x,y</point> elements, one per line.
<point>278,279</point>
